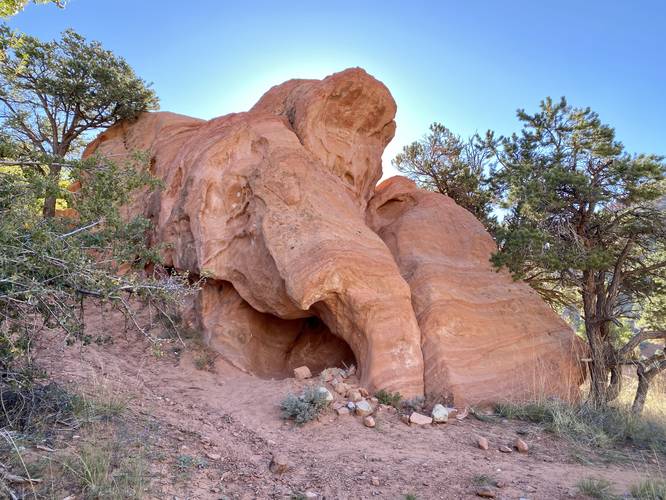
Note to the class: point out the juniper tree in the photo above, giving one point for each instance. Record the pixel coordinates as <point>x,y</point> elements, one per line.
<point>583,227</point>
<point>442,161</point>
<point>54,94</point>
<point>10,8</point>
<point>48,266</point>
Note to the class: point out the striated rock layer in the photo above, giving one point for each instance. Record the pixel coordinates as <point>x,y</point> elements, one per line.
<point>308,264</point>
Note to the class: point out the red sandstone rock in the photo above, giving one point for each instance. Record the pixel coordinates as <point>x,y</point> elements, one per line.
<point>484,336</point>
<point>302,372</point>
<point>419,419</point>
<point>308,265</point>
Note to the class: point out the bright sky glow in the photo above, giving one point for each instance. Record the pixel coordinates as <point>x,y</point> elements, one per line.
<point>468,65</point>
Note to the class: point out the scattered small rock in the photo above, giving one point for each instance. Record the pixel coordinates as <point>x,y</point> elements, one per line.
<point>404,418</point>
<point>374,400</point>
<point>440,414</point>
<point>482,443</point>
<point>368,421</point>
<point>326,393</point>
<point>302,372</point>
<point>351,406</point>
<point>311,494</point>
<point>500,484</point>
<point>485,492</point>
<point>279,464</point>
<point>214,456</point>
<point>354,395</point>
<point>328,374</point>
<point>505,449</point>
<point>364,392</point>
<point>341,388</point>
<point>420,419</point>
<point>363,408</point>
<point>521,446</point>
<point>374,480</point>
<point>351,370</point>
<point>342,411</point>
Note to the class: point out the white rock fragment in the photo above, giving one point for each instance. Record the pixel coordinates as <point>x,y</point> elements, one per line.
<point>440,414</point>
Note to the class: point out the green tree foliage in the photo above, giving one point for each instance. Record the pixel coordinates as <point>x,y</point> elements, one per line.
<point>54,94</point>
<point>10,8</point>
<point>445,163</point>
<point>583,226</point>
<point>48,266</point>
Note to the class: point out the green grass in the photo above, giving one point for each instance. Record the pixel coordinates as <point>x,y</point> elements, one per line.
<point>101,407</point>
<point>389,398</point>
<point>596,488</point>
<point>589,426</point>
<point>650,489</point>
<point>104,471</point>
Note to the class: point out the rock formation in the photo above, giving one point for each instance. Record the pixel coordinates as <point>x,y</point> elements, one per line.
<point>308,262</point>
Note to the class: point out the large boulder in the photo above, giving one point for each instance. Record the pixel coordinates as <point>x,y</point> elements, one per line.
<point>484,336</point>
<point>307,263</point>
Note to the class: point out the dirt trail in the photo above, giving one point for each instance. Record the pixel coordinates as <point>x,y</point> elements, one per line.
<point>232,421</point>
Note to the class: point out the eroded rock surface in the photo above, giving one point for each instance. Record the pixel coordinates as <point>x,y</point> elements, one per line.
<point>484,337</point>
<point>308,265</point>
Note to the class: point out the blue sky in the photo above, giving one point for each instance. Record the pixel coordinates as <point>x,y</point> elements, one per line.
<point>467,64</point>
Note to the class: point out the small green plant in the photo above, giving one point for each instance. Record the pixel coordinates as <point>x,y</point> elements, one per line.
<point>205,360</point>
<point>410,496</point>
<point>482,480</point>
<point>649,489</point>
<point>389,398</point>
<point>414,404</point>
<point>305,406</point>
<point>596,488</point>
<point>187,462</point>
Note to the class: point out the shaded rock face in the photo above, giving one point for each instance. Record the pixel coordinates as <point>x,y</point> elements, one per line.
<point>309,264</point>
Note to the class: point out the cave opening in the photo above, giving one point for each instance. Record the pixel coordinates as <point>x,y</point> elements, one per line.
<point>264,344</point>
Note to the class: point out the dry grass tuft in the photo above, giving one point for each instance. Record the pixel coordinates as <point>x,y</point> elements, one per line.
<point>600,428</point>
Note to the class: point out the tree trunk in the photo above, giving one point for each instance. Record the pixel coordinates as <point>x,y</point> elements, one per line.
<point>599,382</point>
<point>52,188</point>
<point>615,386</point>
<point>644,380</point>
<point>598,368</point>
<point>646,371</point>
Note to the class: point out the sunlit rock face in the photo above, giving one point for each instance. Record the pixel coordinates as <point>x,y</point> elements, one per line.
<point>308,262</point>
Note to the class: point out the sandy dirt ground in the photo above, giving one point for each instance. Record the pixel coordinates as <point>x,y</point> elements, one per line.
<point>230,423</point>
